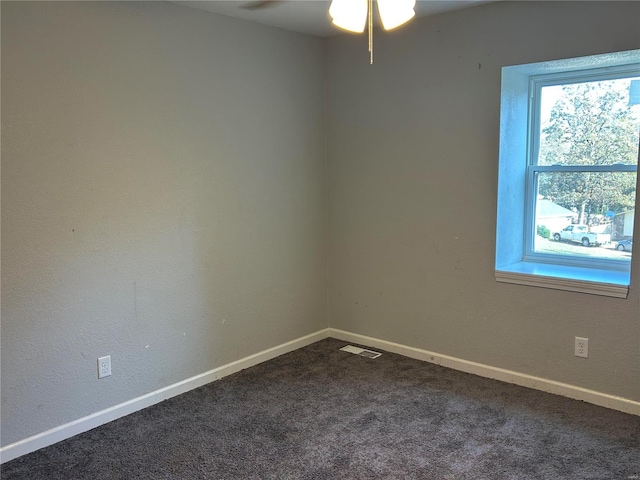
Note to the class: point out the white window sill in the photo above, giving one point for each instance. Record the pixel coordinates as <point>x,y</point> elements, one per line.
<point>560,277</point>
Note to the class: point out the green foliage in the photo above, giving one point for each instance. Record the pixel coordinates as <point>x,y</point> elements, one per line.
<point>590,124</point>
<point>543,231</point>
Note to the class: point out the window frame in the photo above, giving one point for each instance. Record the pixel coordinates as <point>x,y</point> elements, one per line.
<point>516,260</point>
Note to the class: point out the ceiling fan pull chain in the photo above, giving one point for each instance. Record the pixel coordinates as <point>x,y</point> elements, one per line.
<point>370,28</point>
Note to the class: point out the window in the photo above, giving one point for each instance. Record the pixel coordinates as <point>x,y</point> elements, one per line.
<point>569,139</point>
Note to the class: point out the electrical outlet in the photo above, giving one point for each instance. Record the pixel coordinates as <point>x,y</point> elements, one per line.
<point>582,347</point>
<point>104,366</point>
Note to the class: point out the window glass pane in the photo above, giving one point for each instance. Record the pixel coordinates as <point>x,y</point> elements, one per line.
<point>585,214</point>
<point>589,123</point>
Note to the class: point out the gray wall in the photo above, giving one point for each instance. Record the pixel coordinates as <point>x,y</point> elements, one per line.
<point>163,200</point>
<point>413,150</point>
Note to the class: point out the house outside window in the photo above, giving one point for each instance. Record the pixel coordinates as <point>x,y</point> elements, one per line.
<point>569,139</point>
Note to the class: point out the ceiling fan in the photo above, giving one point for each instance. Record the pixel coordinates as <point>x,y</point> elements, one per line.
<point>258,5</point>
<point>353,15</point>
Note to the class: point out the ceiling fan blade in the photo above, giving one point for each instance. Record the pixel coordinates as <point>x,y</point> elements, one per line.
<point>257,5</point>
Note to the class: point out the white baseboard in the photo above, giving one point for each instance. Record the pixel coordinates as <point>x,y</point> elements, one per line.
<point>550,386</point>
<point>81,425</point>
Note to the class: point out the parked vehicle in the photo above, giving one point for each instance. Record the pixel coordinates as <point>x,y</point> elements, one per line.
<point>581,234</point>
<point>625,245</point>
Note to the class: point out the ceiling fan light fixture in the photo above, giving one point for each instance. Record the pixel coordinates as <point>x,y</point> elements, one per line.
<point>349,15</point>
<point>354,15</point>
<point>394,13</point>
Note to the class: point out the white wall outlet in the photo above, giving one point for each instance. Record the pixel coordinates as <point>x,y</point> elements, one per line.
<point>582,347</point>
<point>104,366</point>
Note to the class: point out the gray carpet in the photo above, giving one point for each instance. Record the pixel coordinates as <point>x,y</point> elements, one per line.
<point>319,413</point>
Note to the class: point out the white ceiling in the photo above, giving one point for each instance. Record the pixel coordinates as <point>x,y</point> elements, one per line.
<point>307,16</point>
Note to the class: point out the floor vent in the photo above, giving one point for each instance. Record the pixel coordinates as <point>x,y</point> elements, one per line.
<point>361,351</point>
